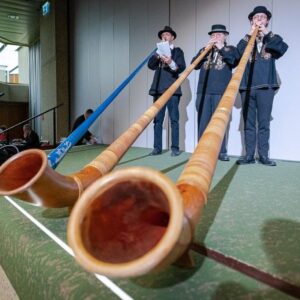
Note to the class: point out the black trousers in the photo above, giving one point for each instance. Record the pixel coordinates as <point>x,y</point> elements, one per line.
<point>173,111</point>
<point>257,109</point>
<point>206,106</point>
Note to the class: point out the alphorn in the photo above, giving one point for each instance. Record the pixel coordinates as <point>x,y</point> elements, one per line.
<point>56,155</point>
<point>136,220</point>
<point>28,177</point>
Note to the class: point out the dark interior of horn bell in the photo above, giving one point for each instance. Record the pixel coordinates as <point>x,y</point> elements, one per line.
<point>125,222</point>
<point>19,171</point>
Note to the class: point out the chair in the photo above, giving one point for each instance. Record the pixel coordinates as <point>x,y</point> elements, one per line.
<point>6,151</point>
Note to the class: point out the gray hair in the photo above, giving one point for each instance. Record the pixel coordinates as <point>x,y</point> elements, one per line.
<point>27,127</point>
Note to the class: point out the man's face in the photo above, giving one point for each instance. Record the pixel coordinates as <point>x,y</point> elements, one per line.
<point>260,19</point>
<point>219,36</point>
<point>86,115</point>
<point>167,37</point>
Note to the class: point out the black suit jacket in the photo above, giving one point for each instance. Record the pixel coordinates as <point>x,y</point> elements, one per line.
<point>164,76</point>
<point>261,70</point>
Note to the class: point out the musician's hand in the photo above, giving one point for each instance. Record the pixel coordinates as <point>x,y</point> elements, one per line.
<point>253,26</point>
<point>263,29</point>
<point>166,59</point>
<point>212,41</point>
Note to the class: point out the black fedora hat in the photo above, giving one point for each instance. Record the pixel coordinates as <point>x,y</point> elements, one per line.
<point>218,28</point>
<point>167,29</point>
<point>259,10</point>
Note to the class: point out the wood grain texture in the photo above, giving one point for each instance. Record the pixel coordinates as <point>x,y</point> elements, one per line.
<point>90,222</point>
<point>28,177</point>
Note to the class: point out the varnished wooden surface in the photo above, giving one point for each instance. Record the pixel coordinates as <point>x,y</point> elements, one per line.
<point>193,184</point>
<point>45,187</point>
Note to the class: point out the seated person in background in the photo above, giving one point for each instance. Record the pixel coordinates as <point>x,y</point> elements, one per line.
<point>31,138</point>
<point>88,135</point>
<point>3,136</point>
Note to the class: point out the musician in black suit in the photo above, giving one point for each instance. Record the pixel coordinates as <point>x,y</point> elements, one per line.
<point>215,74</point>
<point>167,69</point>
<point>258,86</point>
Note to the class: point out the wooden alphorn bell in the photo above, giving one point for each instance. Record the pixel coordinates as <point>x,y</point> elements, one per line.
<point>136,220</point>
<point>27,175</point>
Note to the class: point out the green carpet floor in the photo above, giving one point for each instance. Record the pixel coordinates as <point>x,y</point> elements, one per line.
<point>252,215</point>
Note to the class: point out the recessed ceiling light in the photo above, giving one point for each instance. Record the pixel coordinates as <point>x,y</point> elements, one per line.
<point>13,17</point>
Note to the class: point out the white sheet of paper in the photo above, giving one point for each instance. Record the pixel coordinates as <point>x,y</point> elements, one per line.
<point>163,48</point>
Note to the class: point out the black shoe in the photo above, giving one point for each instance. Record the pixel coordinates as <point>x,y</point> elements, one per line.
<point>224,157</point>
<point>266,161</point>
<point>155,152</point>
<point>175,152</point>
<point>246,160</point>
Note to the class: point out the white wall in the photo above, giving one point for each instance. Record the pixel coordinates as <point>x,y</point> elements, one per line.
<point>110,38</point>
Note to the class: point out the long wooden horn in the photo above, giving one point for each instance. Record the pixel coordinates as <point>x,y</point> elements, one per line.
<point>56,155</point>
<point>28,177</point>
<point>136,220</point>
